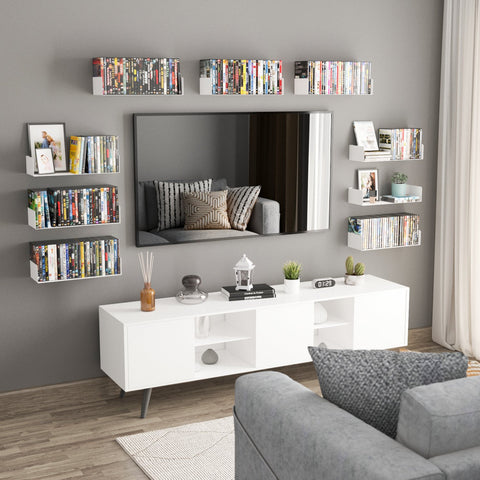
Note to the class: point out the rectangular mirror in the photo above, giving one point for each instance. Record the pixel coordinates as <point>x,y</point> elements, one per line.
<point>265,172</point>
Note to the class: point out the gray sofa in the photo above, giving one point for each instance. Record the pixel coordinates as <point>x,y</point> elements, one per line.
<point>265,219</point>
<point>284,431</point>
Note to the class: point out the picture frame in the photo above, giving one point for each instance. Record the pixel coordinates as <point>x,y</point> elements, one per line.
<point>365,135</point>
<point>368,182</point>
<point>44,160</point>
<point>52,136</point>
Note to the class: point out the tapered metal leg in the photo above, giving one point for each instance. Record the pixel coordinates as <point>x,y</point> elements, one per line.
<point>147,393</point>
<point>122,393</point>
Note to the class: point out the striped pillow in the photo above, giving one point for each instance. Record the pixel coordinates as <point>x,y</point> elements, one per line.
<point>240,203</point>
<point>206,210</point>
<point>170,203</point>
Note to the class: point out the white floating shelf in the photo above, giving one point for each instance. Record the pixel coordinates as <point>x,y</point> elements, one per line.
<point>30,169</point>
<point>34,276</point>
<point>355,197</point>
<point>355,241</point>
<point>356,153</point>
<point>32,222</point>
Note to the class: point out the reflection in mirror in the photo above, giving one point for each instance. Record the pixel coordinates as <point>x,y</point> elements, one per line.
<point>230,175</point>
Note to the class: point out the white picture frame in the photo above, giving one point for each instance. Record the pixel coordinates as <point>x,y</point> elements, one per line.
<point>43,135</point>
<point>44,160</point>
<point>368,181</point>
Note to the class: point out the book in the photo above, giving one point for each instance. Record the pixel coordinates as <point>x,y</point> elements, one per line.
<point>258,289</point>
<point>75,154</point>
<point>401,199</point>
<point>253,297</point>
<point>365,135</point>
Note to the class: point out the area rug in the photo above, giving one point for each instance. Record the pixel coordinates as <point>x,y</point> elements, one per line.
<point>198,451</point>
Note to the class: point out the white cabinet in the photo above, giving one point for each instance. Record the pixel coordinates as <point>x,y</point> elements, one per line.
<point>141,350</point>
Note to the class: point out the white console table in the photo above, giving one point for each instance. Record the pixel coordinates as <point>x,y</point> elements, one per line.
<point>141,350</point>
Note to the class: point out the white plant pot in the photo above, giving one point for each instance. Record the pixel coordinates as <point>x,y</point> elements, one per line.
<point>354,279</point>
<point>291,286</point>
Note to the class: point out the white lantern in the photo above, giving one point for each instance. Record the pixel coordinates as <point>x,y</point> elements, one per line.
<point>243,273</point>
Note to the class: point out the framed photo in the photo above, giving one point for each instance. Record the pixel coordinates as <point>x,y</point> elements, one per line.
<point>52,136</point>
<point>365,134</point>
<point>368,183</point>
<point>44,160</point>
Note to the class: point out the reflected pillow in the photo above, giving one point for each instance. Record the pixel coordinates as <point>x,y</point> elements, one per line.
<point>206,210</point>
<point>170,202</point>
<point>240,203</point>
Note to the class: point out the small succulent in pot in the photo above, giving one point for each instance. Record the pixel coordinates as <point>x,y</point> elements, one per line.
<point>291,272</point>
<point>354,273</point>
<point>399,187</point>
<point>398,177</point>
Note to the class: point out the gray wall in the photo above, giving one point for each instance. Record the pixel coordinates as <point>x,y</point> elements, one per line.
<point>49,333</point>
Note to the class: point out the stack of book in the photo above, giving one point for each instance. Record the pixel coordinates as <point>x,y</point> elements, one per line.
<point>243,77</point>
<point>70,206</point>
<point>402,143</point>
<point>136,76</point>
<point>79,258</point>
<point>401,199</point>
<point>326,77</point>
<point>386,231</point>
<point>94,154</point>
<point>259,290</point>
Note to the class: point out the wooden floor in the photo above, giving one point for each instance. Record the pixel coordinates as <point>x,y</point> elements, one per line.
<point>68,431</point>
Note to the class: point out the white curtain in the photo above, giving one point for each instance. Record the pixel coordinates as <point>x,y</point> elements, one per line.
<point>456,299</point>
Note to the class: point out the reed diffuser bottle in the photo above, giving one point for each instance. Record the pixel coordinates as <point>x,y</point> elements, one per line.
<point>147,295</point>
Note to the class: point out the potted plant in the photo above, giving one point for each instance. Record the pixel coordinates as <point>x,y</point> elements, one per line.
<point>399,187</point>
<point>354,274</point>
<point>291,272</point>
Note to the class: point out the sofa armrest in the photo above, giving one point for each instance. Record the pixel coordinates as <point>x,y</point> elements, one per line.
<point>265,217</point>
<point>303,436</point>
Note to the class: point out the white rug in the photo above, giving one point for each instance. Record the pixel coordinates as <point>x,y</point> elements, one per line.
<point>198,451</point>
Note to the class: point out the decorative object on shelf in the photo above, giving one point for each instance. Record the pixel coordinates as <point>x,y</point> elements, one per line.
<point>365,135</point>
<point>399,187</point>
<point>403,143</point>
<point>136,76</point>
<point>191,294</point>
<point>384,231</point>
<point>202,326</point>
<point>210,357</point>
<point>291,272</point>
<point>44,159</point>
<point>52,136</point>
<point>147,295</point>
<point>327,77</point>
<point>354,274</point>
<point>244,273</point>
<point>373,195</point>
<point>259,290</point>
<point>368,182</point>
<point>220,76</point>
<point>323,282</point>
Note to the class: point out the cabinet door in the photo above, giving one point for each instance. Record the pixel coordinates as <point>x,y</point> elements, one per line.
<point>381,319</point>
<point>160,353</point>
<point>283,334</point>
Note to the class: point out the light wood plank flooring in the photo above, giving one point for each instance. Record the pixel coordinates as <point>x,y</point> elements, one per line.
<point>68,431</point>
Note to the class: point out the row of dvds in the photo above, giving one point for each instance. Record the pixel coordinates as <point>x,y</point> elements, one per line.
<point>70,206</point>
<point>327,77</point>
<point>94,154</point>
<point>79,258</point>
<point>386,231</point>
<point>403,143</point>
<point>242,77</point>
<point>136,76</point>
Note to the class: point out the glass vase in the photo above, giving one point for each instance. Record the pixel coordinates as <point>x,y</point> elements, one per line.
<point>147,298</point>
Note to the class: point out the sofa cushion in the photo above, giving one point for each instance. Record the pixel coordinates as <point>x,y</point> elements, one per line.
<point>206,210</point>
<point>240,202</point>
<point>462,465</point>
<point>441,418</point>
<point>369,383</point>
<point>169,200</point>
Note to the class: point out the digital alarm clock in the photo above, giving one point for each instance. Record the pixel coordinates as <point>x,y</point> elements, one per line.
<point>323,282</point>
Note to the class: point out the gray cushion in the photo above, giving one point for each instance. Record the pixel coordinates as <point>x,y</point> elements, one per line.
<point>462,465</point>
<point>369,383</point>
<point>441,418</point>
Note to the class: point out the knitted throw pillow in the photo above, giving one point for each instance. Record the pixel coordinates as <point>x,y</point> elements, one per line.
<point>369,383</point>
<point>240,203</point>
<point>206,210</point>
